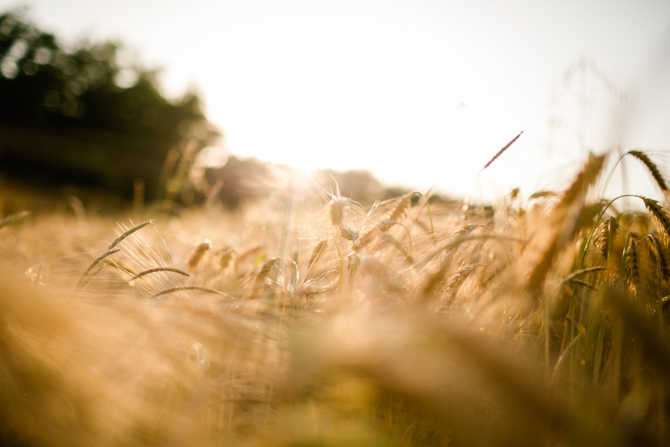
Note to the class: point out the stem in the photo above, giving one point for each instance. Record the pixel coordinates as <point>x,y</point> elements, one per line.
<point>607,181</point>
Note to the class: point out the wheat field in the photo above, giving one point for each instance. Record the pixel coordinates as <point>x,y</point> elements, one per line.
<point>405,323</point>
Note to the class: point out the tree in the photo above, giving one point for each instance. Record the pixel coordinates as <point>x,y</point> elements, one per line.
<point>80,115</point>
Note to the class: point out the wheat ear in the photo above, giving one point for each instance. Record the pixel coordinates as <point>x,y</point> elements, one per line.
<point>227,255</point>
<point>584,179</point>
<point>500,152</point>
<point>653,168</point>
<point>661,219</point>
<point>128,233</point>
<point>401,208</point>
<point>631,267</point>
<point>197,288</point>
<point>602,237</point>
<point>394,216</point>
<point>564,216</point>
<point>159,269</point>
<point>660,254</point>
<point>85,278</point>
<point>198,253</point>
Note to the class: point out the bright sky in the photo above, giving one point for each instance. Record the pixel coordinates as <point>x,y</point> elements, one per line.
<point>420,92</point>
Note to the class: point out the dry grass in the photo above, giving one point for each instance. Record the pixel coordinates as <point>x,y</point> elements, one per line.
<point>397,324</point>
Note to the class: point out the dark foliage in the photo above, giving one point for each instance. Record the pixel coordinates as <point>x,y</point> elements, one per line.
<point>79,115</point>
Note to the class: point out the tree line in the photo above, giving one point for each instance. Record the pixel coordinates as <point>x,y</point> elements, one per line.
<point>78,114</point>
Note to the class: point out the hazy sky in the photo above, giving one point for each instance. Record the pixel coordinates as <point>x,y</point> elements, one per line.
<point>421,92</point>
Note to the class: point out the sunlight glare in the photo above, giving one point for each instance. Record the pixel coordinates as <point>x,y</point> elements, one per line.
<point>369,91</point>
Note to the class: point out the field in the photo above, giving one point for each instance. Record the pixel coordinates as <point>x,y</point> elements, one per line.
<point>324,322</point>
